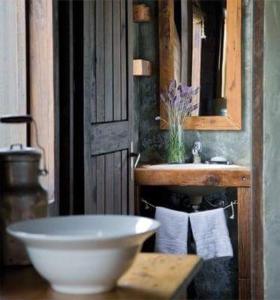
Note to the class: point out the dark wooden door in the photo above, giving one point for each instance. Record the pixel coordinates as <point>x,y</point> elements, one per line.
<point>108,107</point>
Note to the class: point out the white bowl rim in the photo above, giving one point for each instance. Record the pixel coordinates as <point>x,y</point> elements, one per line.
<point>14,230</point>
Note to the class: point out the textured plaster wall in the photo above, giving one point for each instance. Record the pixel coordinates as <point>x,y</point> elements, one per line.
<point>218,278</point>
<point>152,141</point>
<point>272,149</point>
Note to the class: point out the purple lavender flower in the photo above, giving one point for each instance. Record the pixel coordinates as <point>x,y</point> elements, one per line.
<point>178,101</point>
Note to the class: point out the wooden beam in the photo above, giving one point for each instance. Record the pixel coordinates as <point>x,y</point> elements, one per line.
<point>257,276</point>
<point>244,242</point>
<point>41,86</point>
<point>13,92</point>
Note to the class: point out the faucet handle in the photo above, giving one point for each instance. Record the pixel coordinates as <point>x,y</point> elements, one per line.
<point>197,146</point>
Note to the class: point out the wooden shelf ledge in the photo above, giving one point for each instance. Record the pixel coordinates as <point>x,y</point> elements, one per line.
<point>142,67</point>
<point>222,177</point>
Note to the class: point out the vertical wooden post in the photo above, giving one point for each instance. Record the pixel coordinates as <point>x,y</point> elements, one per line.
<point>41,72</point>
<point>13,69</point>
<point>244,243</point>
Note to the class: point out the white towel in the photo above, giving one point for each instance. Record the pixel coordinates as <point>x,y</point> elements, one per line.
<point>172,235</point>
<point>211,233</point>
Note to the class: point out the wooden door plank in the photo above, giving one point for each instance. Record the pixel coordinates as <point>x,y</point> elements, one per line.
<point>108,60</point>
<point>100,185</point>
<point>124,181</point>
<point>123,62</point>
<point>91,206</point>
<point>109,183</point>
<point>117,59</point>
<point>108,137</point>
<point>89,96</point>
<point>100,62</point>
<point>117,196</point>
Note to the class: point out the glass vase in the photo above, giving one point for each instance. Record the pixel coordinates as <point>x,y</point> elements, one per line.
<point>176,148</point>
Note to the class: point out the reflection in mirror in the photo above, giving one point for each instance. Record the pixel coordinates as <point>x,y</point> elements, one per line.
<point>201,37</point>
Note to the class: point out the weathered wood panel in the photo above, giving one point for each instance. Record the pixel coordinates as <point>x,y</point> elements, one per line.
<point>41,57</point>
<point>123,61</point>
<point>108,138</point>
<point>108,67</point>
<point>108,125</point>
<point>13,69</point>
<point>117,59</point>
<point>239,177</point>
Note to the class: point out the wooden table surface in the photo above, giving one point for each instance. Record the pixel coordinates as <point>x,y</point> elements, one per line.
<point>152,276</point>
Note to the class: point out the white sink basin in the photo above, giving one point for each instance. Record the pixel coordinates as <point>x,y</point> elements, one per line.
<point>83,254</point>
<point>191,166</point>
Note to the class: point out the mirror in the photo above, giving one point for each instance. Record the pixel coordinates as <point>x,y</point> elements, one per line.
<point>200,43</point>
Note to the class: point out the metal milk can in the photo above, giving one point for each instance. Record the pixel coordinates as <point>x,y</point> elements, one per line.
<point>21,197</point>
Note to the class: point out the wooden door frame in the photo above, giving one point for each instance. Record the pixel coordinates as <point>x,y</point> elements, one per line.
<point>257,272</point>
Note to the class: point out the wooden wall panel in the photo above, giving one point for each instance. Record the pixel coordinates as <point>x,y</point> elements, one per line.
<point>42,80</point>
<point>13,69</point>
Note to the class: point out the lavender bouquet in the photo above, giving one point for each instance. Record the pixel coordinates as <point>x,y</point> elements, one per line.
<point>178,103</point>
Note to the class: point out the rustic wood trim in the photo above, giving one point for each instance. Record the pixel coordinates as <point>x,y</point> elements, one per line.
<point>41,71</point>
<point>89,94</point>
<point>257,272</point>
<point>130,94</point>
<point>233,86</point>
<point>244,242</point>
<point>225,178</point>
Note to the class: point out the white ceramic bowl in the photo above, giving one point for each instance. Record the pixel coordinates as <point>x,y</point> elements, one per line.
<point>83,254</point>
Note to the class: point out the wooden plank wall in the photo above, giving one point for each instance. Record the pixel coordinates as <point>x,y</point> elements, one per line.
<point>13,69</point>
<point>42,80</point>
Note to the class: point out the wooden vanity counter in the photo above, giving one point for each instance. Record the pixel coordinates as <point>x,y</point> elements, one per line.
<point>205,176</point>
<point>152,276</point>
<point>192,175</point>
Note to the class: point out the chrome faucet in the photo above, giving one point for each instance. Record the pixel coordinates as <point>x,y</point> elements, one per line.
<point>196,150</point>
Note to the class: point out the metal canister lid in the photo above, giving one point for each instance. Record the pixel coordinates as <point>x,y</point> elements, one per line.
<point>17,152</point>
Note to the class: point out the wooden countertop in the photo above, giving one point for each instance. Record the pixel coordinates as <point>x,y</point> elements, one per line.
<point>152,276</point>
<point>191,175</point>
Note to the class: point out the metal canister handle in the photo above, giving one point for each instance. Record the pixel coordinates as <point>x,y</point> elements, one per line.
<point>13,146</point>
<point>11,119</point>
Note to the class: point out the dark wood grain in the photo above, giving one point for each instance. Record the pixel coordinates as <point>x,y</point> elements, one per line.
<point>257,277</point>
<point>100,63</point>
<point>108,106</point>
<point>108,66</point>
<point>117,58</point>
<point>117,195</point>
<point>124,180</point>
<point>123,62</point>
<point>109,183</point>
<point>99,197</point>
<point>108,137</point>
<point>89,101</point>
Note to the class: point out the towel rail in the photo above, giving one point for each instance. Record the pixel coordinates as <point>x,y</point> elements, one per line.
<point>232,203</point>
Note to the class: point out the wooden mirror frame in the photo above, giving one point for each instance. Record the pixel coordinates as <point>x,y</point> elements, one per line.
<point>233,120</point>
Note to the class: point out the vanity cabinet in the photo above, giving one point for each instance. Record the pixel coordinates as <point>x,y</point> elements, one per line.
<point>219,176</point>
